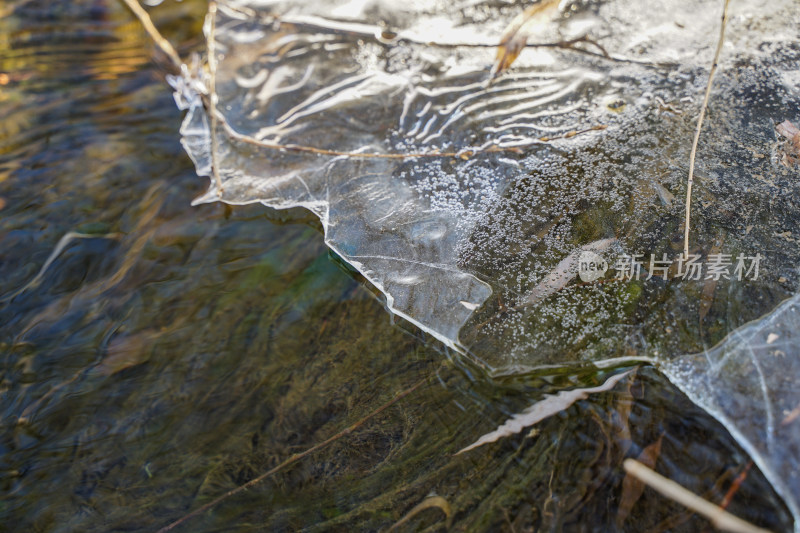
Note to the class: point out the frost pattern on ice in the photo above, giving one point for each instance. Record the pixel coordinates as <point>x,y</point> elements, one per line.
<point>751,383</point>
<point>478,248</point>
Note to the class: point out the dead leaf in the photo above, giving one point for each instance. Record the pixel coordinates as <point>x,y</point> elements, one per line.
<point>515,36</point>
<point>788,130</point>
<point>126,351</point>
<point>791,151</point>
<point>632,487</point>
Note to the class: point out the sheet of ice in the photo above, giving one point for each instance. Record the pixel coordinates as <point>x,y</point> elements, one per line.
<point>751,383</point>
<point>462,244</point>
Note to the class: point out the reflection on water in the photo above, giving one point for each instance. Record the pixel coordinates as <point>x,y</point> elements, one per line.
<point>173,353</point>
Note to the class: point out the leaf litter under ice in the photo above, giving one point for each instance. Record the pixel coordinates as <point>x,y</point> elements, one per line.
<point>475,246</point>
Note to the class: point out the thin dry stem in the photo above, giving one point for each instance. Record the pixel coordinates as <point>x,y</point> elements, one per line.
<point>719,517</point>
<point>212,100</point>
<point>293,459</point>
<point>464,154</point>
<point>735,485</point>
<point>151,30</point>
<point>217,118</point>
<point>687,224</point>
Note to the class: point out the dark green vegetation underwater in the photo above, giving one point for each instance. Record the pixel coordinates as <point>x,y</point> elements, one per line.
<point>172,353</point>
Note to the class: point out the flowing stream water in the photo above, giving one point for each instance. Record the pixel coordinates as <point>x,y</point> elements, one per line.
<point>155,355</point>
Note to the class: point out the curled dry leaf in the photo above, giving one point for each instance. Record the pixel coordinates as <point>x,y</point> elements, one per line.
<point>427,503</point>
<point>515,37</point>
<point>791,151</point>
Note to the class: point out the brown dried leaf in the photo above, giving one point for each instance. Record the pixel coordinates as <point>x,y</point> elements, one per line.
<point>791,151</point>
<point>788,130</point>
<point>515,36</point>
<point>126,351</point>
<point>632,488</point>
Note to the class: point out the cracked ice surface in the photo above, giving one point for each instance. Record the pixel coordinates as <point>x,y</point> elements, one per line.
<point>751,383</point>
<point>479,247</point>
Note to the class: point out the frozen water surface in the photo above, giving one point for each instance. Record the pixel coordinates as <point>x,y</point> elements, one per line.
<point>470,199</point>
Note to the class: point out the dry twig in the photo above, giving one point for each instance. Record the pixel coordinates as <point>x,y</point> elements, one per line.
<point>216,118</point>
<point>211,21</point>
<point>463,154</point>
<point>719,517</point>
<point>154,34</point>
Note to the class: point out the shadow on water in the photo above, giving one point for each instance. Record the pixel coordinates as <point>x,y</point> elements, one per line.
<point>173,353</point>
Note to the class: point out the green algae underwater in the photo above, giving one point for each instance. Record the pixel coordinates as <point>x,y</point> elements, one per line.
<point>173,353</point>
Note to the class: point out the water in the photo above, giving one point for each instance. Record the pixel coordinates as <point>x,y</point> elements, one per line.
<point>177,352</point>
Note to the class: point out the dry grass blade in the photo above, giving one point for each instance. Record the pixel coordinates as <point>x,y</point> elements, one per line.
<point>720,518</point>
<point>672,522</point>
<point>735,485</point>
<point>793,415</point>
<point>515,37</point>
<point>427,503</point>
<point>687,222</point>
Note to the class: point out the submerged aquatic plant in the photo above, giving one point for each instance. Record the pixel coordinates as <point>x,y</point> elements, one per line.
<point>442,189</point>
